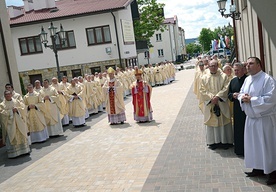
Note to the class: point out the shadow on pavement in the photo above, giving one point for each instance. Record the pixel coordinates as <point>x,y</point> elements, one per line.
<point>7,162</point>
<point>48,142</point>
<point>226,153</point>
<point>80,129</point>
<point>146,124</point>
<point>120,126</point>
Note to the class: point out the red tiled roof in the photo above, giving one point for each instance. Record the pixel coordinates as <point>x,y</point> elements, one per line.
<point>70,8</point>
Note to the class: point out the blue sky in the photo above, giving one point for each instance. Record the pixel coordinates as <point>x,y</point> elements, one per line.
<point>193,15</point>
<point>14,2</point>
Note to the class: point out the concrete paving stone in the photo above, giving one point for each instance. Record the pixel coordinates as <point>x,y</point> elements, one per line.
<point>186,141</point>
<point>267,188</point>
<point>167,154</point>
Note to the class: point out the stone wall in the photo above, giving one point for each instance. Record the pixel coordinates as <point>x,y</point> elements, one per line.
<point>52,72</point>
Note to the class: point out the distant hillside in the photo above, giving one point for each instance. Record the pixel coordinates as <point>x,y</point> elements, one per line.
<point>192,40</point>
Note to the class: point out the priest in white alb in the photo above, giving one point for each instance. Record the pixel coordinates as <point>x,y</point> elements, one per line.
<point>217,118</point>
<point>35,115</point>
<point>113,92</point>
<point>52,109</point>
<point>63,86</point>
<point>63,101</point>
<point>258,100</point>
<point>13,117</point>
<point>76,104</point>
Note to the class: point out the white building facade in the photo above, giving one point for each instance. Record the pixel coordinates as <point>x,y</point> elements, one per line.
<point>9,71</point>
<point>95,38</point>
<point>256,32</point>
<point>168,45</point>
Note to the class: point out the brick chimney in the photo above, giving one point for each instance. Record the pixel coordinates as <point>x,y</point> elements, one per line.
<point>28,5</point>
<point>43,4</point>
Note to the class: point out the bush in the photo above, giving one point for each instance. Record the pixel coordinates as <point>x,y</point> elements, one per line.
<point>23,90</point>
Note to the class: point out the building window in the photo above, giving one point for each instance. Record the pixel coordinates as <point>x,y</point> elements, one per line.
<point>131,62</point>
<point>33,78</point>
<point>113,66</point>
<point>146,53</point>
<point>158,37</point>
<point>63,73</point>
<point>160,53</point>
<point>95,69</point>
<point>76,73</point>
<point>69,43</point>
<point>98,35</point>
<point>30,45</point>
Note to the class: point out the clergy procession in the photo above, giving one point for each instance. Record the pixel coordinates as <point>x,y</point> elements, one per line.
<point>49,106</point>
<point>238,102</point>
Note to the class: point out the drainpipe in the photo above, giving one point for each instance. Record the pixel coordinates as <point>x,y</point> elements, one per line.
<point>118,45</point>
<point>235,36</point>
<point>5,52</point>
<point>175,43</point>
<point>261,43</point>
<point>171,42</point>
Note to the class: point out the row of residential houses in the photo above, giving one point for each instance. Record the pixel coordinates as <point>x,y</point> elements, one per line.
<point>99,34</point>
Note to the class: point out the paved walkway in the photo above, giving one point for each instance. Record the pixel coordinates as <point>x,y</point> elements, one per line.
<point>168,154</point>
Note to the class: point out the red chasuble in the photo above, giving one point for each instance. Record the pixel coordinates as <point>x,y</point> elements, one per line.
<point>112,98</point>
<point>141,93</point>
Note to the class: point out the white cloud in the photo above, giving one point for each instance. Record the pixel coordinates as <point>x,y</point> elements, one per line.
<point>193,15</point>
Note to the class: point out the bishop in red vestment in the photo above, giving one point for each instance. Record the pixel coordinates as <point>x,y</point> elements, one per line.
<point>141,93</point>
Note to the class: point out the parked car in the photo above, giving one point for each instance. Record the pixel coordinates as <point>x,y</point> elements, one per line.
<point>228,52</point>
<point>221,53</point>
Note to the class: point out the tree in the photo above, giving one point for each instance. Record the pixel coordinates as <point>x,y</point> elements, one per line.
<point>217,32</point>
<point>23,90</point>
<point>151,19</point>
<point>225,31</point>
<point>193,48</point>
<point>205,38</point>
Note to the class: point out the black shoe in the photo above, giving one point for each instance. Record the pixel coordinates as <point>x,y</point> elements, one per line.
<point>271,178</point>
<point>213,146</point>
<point>271,181</point>
<point>255,173</point>
<point>79,126</point>
<point>226,146</point>
<point>240,154</point>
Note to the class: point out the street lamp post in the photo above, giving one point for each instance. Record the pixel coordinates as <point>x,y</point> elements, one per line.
<point>54,37</point>
<point>235,15</point>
